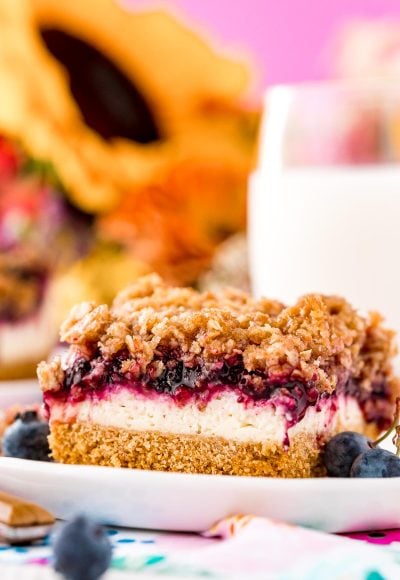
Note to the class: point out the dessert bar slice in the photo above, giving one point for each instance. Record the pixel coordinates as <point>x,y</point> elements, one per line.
<point>40,233</point>
<point>173,379</point>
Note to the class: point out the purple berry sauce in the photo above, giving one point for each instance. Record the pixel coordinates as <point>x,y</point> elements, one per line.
<point>98,377</point>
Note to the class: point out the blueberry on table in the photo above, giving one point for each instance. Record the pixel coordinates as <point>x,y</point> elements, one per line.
<point>376,463</point>
<point>81,550</point>
<point>26,438</point>
<point>342,450</point>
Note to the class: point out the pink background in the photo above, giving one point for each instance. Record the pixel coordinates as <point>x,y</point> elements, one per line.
<point>293,40</point>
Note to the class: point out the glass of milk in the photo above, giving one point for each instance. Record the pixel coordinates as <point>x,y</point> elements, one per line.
<point>324,204</point>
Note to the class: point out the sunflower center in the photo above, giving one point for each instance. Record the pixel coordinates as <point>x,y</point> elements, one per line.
<point>110,103</point>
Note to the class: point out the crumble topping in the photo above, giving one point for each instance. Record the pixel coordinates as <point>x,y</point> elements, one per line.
<point>51,374</point>
<point>320,339</point>
<point>85,323</point>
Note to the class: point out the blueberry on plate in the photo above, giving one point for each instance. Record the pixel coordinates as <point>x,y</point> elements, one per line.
<point>81,549</point>
<point>342,450</point>
<point>376,463</point>
<point>26,438</point>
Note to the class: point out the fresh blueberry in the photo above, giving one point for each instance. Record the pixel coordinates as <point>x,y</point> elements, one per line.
<point>81,550</point>
<point>27,438</point>
<point>342,450</point>
<point>376,463</point>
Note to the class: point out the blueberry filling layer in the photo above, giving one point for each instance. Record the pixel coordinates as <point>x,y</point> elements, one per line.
<point>182,383</point>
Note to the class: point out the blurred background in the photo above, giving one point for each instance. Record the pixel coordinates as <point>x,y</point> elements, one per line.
<point>128,131</point>
<point>290,41</point>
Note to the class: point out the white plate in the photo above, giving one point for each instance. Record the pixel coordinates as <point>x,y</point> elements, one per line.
<point>180,502</point>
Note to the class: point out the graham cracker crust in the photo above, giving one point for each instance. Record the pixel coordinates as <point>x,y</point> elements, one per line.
<point>91,444</point>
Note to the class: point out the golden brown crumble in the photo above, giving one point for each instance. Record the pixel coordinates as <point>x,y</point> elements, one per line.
<point>320,338</point>
<point>51,374</point>
<point>86,322</point>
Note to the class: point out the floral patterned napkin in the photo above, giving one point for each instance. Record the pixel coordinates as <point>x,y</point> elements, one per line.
<point>239,547</point>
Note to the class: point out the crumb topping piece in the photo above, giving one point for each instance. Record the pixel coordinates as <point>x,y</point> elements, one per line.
<point>321,338</point>
<point>51,375</point>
